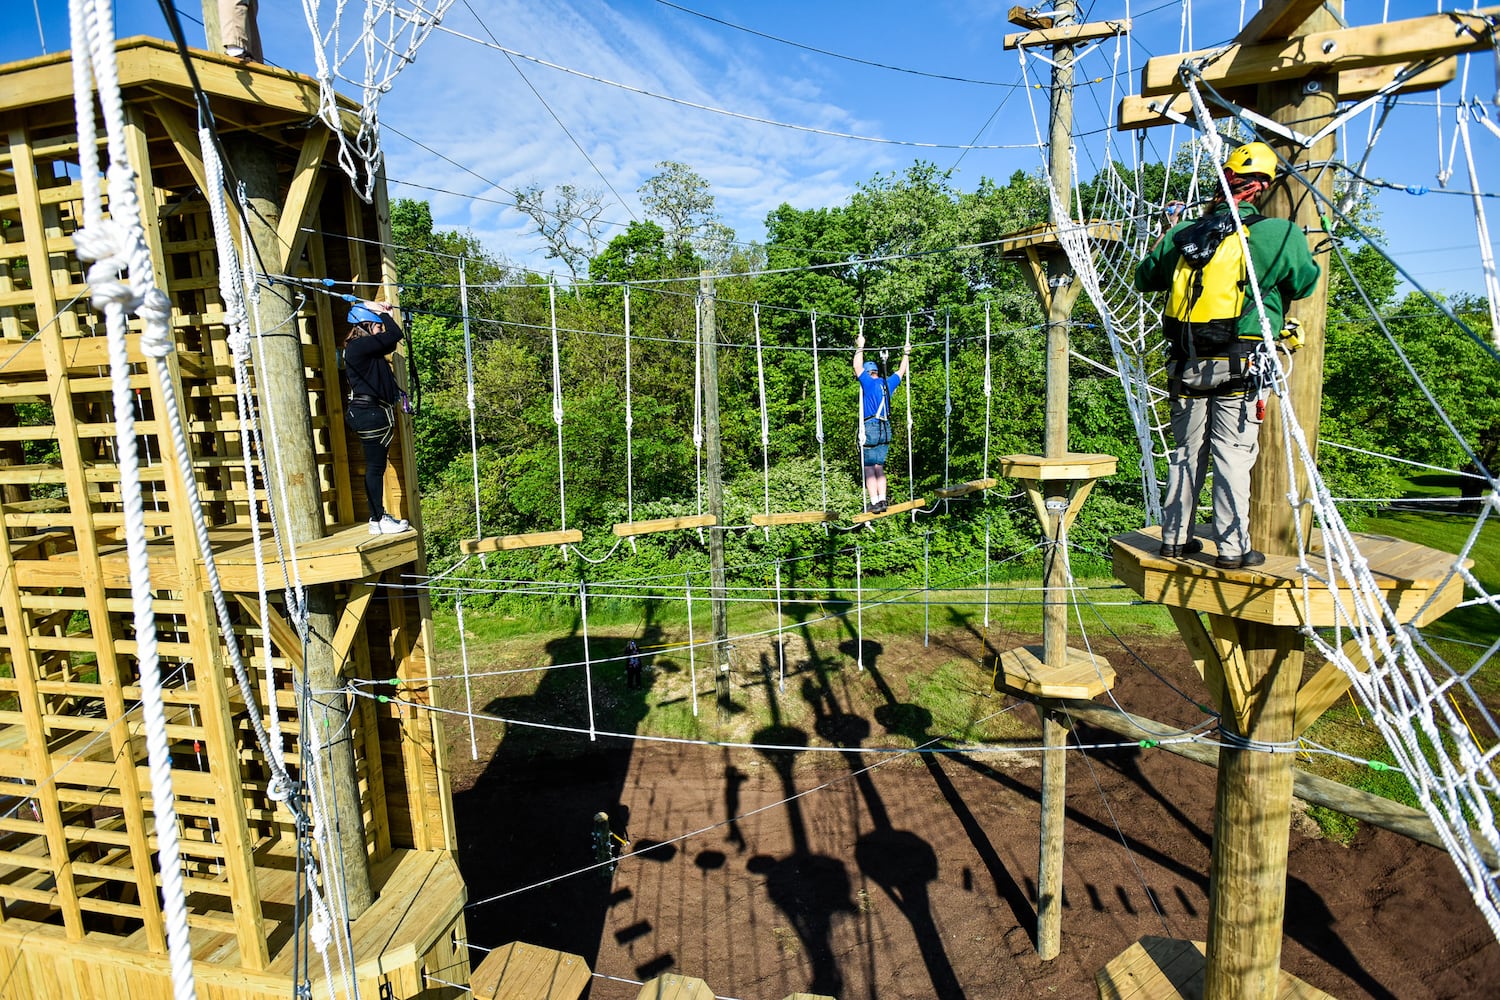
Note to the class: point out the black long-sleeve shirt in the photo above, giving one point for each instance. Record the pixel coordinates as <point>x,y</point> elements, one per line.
<point>364,362</point>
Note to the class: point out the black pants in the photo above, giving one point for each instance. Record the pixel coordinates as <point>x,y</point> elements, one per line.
<point>375,426</point>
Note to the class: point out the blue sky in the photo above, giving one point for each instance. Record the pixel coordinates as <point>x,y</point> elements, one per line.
<point>467,101</point>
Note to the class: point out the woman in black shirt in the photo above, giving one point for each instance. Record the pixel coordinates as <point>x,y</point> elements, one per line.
<point>373,334</point>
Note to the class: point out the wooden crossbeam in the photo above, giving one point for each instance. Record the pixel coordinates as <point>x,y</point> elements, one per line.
<point>1322,690</point>
<point>1403,41</point>
<point>1070,34</point>
<point>964,489</point>
<point>532,540</point>
<point>792,517</point>
<point>627,529</point>
<point>1277,19</point>
<point>1137,112</point>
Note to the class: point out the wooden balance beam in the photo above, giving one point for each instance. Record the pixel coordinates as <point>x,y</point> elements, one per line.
<point>505,543</point>
<point>626,529</point>
<point>964,489</point>
<point>792,517</point>
<point>895,508</point>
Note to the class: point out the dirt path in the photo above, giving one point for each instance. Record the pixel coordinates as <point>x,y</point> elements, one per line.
<point>914,876</point>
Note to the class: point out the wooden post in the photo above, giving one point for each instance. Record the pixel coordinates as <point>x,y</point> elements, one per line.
<point>282,383</point>
<point>1060,280</point>
<point>1252,815</point>
<point>710,345</point>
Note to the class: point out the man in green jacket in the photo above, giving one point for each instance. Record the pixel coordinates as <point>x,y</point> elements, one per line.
<point>1216,360</point>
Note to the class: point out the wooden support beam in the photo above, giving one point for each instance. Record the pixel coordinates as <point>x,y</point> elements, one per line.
<point>1023,18</point>
<point>1070,34</point>
<point>349,622</point>
<point>1205,655</point>
<point>531,540</point>
<point>302,197</point>
<point>1136,112</point>
<point>627,529</point>
<point>1239,687</point>
<point>1335,51</point>
<point>282,633</point>
<point>1322,690</point>
<point>1276,19</point>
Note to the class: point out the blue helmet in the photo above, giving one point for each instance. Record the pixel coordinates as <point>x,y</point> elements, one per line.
<point>363,314</point>
<point>871,368</point>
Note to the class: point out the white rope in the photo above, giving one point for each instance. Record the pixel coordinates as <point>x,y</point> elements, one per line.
<point>818,408</point>
<point>1481,225</point>
<point>390,34</point>
<point>629,424</point>
<point>765,419</point>
<point>114,247</point>
<point>463,652</point>
<point>692,642</point>
<point>557,410</point>
<point>463,295</point>
<point>588,666</point>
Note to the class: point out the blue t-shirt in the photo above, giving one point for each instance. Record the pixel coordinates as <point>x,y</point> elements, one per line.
<point>875,400</point>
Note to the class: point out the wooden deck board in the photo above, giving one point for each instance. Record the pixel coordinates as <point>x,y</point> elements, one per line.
<point>1409,575</point>
<point>1073,465</point>
<point>1159,968</point>
<point>895,508</point>
<point>530,540</point>
<point>964,489</point>
<point>792,517</point>
<point>627,529</point>
<point>674,987</point>
<point>520,971</point>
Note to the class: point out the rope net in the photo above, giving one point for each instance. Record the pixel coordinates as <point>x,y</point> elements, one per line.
<point>1422,690</point>
<point>386,41</point>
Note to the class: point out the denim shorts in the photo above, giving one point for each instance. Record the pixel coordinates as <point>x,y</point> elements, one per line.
<point>877,440</point>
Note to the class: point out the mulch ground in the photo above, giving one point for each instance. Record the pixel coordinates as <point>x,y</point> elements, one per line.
<point>880,876</point>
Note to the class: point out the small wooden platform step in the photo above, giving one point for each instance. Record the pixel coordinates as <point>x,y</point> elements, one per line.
<point>530,540</point>
<point>1044,236</point>
<point>793,517</point>
<point>895,508</point>
<point>1409,575</point>
<point>1073,465</point>
<point>626,529</point>
<point>964,489</point>
<point>674,987</point>
<point>520,971</point>
<point>1084,676</point>
<point>1159,968</point>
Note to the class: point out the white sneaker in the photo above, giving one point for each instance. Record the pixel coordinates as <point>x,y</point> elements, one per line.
<point>388,525</point>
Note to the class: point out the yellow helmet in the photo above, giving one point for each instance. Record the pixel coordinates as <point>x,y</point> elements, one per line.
<point>1252,158</point>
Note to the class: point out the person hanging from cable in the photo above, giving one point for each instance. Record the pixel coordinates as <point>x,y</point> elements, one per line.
<point>875,392</point>
<point>371,412</point>
<point>1216,365</point>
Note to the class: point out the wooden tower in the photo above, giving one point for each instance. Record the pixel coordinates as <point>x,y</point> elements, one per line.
<point>79,903</point>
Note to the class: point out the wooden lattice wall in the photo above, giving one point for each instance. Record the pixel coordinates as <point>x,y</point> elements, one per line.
<point>78,867</point>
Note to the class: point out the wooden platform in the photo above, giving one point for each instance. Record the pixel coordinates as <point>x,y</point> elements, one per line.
<point>793,517</point>
<point>1084,676</point>
<point>520,971</point>
<point>964,489</point>
<point>1073,465</point>
<point>348,552</point>
<point>530,540</point>
<point>895,508</point>
<point>1044,236</point>
<point>627,529</point>
<point>674,987</point>
<point>1410,575</point>
<point>1158,968</point>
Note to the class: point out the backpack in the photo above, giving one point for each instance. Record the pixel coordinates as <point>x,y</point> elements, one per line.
<point>1207,297</point>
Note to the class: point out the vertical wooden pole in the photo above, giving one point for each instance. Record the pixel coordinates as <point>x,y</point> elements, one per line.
<point>282,383</point>
<point>710,335</point>
<point>1055,606</point>
<point>1247,875</point>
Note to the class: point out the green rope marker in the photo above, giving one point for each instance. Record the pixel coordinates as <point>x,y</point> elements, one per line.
<point>1378,765</point>
<point>382,698</point>
<point>1148,744</point>
<point>394,682</point>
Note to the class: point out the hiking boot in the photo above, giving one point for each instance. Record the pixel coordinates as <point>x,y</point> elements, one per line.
<point>1187,548</point>
<point>1246,561</point>
<point>388,525</point>
<point>881,506</point>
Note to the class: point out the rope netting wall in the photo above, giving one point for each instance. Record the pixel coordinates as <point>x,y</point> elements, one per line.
<point>1424,692</point>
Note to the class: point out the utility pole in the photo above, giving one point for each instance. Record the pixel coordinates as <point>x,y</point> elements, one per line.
<point>281,381</point>
<point>1058,481</point>
<point>709,344</point>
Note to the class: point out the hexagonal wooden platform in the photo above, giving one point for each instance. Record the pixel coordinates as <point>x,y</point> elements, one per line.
<point>1085,675</point>
<point>1159,968</point>
<point>1409,575</point>
<point>520,971</point>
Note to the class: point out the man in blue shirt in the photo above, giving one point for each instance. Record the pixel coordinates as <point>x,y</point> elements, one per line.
<point>875,438</point>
